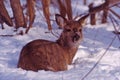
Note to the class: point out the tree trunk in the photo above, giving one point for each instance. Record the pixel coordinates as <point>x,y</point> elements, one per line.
<point>45,4</point>
<point>92,19</point>
<point>105,12</point>
<point>85,2</point>
<point>104,16</point>
<point>69,9</point>
<point>4,16</point>
<point>30,13</point>
<point>18,13</point>
<point>92,15</point>
<point>65,8</point>
<point>62,8</point>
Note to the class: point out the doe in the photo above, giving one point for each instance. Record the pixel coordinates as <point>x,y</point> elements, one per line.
<point>54,56</point>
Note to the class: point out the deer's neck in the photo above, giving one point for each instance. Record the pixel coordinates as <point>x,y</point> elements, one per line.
<point>69,51</point>
<point>62,42</point>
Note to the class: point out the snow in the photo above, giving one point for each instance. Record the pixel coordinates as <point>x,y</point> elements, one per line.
<point>95,42</point>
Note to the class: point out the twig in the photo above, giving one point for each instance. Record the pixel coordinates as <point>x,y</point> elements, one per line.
<point>114,4</point>
<point>104,52</point>
<point>101,57</point>
<point>115,13</point>
<point>118,6</point>
<point>12,35</point>
<point>111,18</point>
<point>54,34</point>
<point>7,35</point>
<point>38,9</point>
<point>80,15</point>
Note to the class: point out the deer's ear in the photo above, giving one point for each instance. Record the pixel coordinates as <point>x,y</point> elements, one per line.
<point>82,19</point>
<point>60,20</point>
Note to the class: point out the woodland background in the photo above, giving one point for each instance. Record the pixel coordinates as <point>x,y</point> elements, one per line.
<point>98,56</point>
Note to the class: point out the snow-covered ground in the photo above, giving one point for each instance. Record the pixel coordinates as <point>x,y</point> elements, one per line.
<point>96,40</point>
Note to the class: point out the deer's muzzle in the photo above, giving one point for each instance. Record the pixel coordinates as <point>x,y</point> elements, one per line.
<point>75,38</point>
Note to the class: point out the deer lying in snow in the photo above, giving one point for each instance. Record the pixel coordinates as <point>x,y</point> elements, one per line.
<point>55,56</point>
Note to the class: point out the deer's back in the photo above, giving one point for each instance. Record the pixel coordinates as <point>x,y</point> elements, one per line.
<point>42,54</point>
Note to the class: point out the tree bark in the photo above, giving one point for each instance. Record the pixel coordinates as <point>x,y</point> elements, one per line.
<point>104,16</point>
<point>62,8</point>
<point>98,8</point>
<point>65,8</point>
<point>92,15</point>
<point>18,13</point>
<point>69,9</point>
<point>4,16</point>
<point>45,4</point>
<point>85,2</point>
<point>105,12</point>
<point>30,13</point>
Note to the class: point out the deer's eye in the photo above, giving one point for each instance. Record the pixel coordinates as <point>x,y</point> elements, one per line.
<point>80,30</point>
<point>67,30</point>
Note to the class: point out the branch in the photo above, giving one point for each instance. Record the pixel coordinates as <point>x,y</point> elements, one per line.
<point>111,18</point>
<point>114,13</point>
<point>99,59</point>
<point>103,6</point>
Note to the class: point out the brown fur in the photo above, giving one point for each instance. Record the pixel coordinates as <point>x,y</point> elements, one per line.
<point>55,56</point>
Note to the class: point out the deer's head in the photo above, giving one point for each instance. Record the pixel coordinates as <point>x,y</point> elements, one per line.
<point>72,31</point>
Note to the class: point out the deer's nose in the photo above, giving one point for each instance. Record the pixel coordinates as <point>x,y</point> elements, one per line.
<point>76,37</point>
